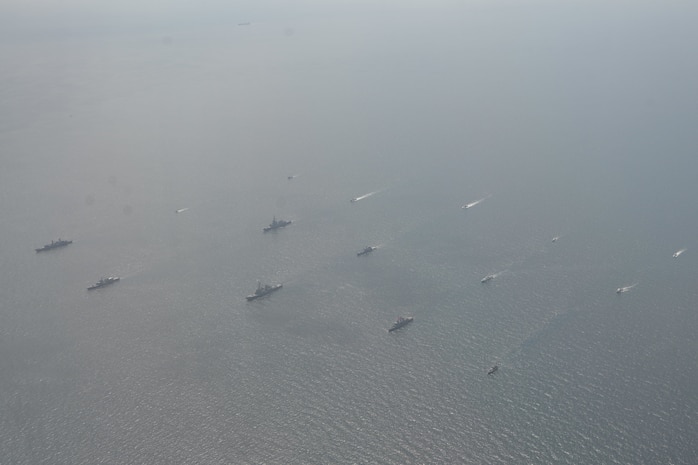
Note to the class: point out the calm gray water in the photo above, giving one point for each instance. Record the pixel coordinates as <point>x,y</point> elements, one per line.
<point>571,123</point>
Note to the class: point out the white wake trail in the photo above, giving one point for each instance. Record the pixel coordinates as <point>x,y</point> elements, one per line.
<point>622,290</point>
<point>365,196</point>
<point>678,253</point>
<point>472,204</point>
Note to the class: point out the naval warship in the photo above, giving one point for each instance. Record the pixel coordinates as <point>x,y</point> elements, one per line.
<point>54,244</point>
<point>104,282</point>
<point>264,290</point>
<point>276,224</point>
<point>367,250</point>
<point>401,321</point>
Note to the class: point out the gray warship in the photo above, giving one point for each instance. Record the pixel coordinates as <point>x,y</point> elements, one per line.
<point>276,224</point>
<point>366,251</point>
<point>104,282</point>
<point>54,244</point>
<point>263,290</point>
<point>401,321</point>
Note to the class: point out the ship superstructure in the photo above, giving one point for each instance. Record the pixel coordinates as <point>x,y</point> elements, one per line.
<point>54,244</point>
<point>104,282</point>
<point>276,224</point>
<point>263,290</point>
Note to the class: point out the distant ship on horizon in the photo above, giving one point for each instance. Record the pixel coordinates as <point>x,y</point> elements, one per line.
<point>400,322</point>
<point>366,251</point>
<point>54,244</point>
<point>104,282</point>
<point>263,290</point>
<point>276,224</point>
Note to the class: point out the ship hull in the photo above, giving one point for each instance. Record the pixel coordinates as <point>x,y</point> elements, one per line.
<point>98,286</point>
<point>274,228</point>
<point>53,246</point>
<point>397,326</point>
<point>256,296</point>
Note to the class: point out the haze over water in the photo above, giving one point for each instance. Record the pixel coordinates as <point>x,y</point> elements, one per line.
<point>576,121</point>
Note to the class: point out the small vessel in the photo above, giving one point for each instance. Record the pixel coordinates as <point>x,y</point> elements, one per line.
<point>556,238</point>
<point>263,290</point>
<point>400,322</point>
<point>367,250</point>
<point>276,224</point>
<point>104,282</point>
<point>355,199</point>
<point>621,290</point>
<point>472,204</point>
<point>488,278</point>
<point>493,370</point>
<point>54,244</point>
<point>678,253</point>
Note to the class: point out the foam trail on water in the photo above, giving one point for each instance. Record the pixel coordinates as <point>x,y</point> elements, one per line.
<point>621,290</point>
<point>472,204</point>
<point>490,277</point>
<point>356,199</point>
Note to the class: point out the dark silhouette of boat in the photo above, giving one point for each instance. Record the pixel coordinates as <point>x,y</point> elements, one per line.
<point>493,370</point>
<point>401,321</point>
<point>54,245</point>
<point>366,251</point>
<point>104,282</point>
<point>487,278</point>
<point>263,290</point>
<point>276,224</point>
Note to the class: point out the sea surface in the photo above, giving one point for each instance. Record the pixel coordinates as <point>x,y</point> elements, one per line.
<point>564,126</point>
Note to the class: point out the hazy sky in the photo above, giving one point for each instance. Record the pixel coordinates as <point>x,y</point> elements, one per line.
<point>74,16</point>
